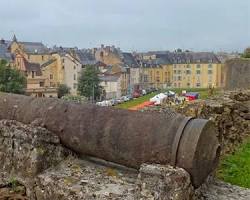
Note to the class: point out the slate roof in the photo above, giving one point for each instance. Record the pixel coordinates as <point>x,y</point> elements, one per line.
<point>129,60</point>
<point>48,63</point>
<point>34,48</point>
<point>182,58</point>
<point>109,78</point>
<point>86,57</point>
<point>4,52</point>
<point>33,67</point>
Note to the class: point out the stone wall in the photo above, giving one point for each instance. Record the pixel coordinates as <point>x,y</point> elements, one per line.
<point>230,112</point>
<point>237,74</point>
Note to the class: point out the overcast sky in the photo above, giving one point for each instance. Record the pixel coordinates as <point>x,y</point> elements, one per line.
<point>201,25</point>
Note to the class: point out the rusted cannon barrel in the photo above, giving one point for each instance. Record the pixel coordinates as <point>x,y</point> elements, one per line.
<point>121,136</point>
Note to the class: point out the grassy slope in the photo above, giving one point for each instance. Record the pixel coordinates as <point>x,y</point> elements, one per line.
<point>235,168</point>
<point>203,95</point>
<point>137,101</point>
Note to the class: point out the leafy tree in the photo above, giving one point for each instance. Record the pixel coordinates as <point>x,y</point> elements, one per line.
<point>246,53</point>
<point>11,80</point>
<point>63,90</point>
<point>89,83</point>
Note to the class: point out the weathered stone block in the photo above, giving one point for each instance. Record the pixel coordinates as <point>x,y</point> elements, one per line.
<point>160,182</point>
<point>26,151</point>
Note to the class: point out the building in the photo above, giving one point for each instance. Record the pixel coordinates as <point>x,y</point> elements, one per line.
<point>71,68</point>
<point>34,52</point>
<point>111,85</point>
<point>36,82</point>
<point>182,70</point>
<point>196,70</point>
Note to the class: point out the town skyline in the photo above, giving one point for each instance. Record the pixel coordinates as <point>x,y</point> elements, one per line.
<point>132,26</point>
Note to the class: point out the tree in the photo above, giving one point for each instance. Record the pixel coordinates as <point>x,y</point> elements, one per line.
<point>63,90</point>
<point>11,80</point>
<point>246,53</point>
<point>89,83</point>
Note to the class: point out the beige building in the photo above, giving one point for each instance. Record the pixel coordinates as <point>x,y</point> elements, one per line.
<point>198,75</point>
<point>71,72</point>
<point>35,80</point>
<point>33,52</point>
<point>182,70</point>
<point>111,85</point>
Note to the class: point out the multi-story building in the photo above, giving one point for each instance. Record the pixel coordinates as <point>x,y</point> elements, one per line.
<point>33,52</point>
<point>196,70</point>
<point>111,85</point>
<point>182,70</point>
<point>36,82</point>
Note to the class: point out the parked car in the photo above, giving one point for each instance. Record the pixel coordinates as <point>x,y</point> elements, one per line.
<point>130,97</point>
<point>125,98</point>
<point>113,102</point>
<point>104,103</point>
<point>144,92</point>
<point>120,100</point>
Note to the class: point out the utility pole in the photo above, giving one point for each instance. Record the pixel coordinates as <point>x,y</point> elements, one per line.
<point>93,95</point>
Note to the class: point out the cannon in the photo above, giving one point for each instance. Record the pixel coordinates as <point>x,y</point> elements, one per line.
<point>125,137</point>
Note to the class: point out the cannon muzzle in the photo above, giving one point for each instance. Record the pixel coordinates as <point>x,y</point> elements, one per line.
<point>120,136</point>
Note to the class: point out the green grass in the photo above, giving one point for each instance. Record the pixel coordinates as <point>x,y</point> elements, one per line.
<point>137,101</point>
<point>235,168</point>
<point>202,91</point>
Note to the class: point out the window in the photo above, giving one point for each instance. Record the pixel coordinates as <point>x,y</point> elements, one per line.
<point>63,60</point>
<point>210,66</point>
<point>209,79</point>
<point>179,78</point>
<point>174,65</point>
<point>75,86</point>
<point>210,71</point>
<point>188,66</point>
<point>33,74</point>
<point>63,67</point>
<point>74,67</point>
<point>174,71</point>
<point>51,76</point>
<point>198,66</point>
<point>42,57</point>
<point>74,77</point>
<point>188,84</point>
<point>179,71</point>
<point>198,71</point>
<point>41,84</point>
<point>188,71</point>
<point>198,84</point>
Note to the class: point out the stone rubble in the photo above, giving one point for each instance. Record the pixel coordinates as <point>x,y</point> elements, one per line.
<point>229,111</point>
